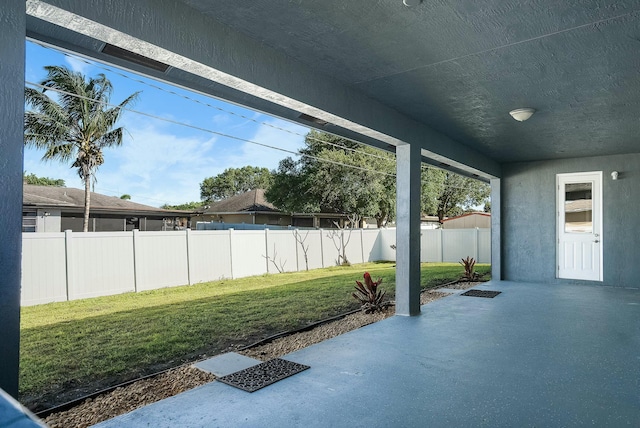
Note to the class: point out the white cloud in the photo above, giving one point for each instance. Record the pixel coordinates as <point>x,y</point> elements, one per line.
<point>221,119</point>
<point>159,163</point>
<point>256,155</point>
<point>77,65</point>
<point>155,166</point>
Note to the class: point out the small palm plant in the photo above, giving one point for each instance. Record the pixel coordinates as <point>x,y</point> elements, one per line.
<point>469,269</point>
<point>368,294</point>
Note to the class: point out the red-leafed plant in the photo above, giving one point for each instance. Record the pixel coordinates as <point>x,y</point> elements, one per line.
<point>368,294</point>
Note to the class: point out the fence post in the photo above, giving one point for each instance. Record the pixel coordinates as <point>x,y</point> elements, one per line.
<point>362,244</point>
<point>136,279</point>
<point>67,259</point>
<point>188,238</point>
<point>441,245</point>
<point>296,244</point>
<point>321,248</point>
<point>266,247</point>
<point>231,250</point>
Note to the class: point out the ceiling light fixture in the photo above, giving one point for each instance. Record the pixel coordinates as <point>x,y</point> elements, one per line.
<point>522,114</point>
<point>410,3</point>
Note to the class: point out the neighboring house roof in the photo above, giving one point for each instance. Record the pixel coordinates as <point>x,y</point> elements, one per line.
<point>73,199</point>
<point>250,201</point>
<point>254,201</point>
<point>467,215</point>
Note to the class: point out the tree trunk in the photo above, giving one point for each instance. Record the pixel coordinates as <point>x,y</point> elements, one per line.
<point>87,202</point>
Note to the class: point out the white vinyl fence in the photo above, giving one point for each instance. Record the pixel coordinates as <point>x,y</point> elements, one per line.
<point>69,266</point>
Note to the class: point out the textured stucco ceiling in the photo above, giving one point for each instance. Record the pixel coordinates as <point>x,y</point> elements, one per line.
<point>459,66</point>
<point>456,66</point>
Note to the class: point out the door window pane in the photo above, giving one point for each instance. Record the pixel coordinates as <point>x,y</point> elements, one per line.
<point>578,208</point>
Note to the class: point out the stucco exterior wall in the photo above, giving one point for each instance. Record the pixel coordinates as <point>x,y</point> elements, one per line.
<point>529,218</point>
<point>12,31</point>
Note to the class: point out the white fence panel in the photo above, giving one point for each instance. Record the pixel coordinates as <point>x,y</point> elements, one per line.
<point>353,245</point>
<point>387,239</point>
<point>329,251</point>
<point>44,272</point>
<point>431,245</point>
<point>332,242</point>
<point>247,253</point>
<point>106,263</point>
<point>484,246</point>
<point>371,242</point>
<point>100,264</point>
<point>209,255</point>
<point>458,244</point>
<point>312,240</point>
<point>161,259</point>
<point>281,245</point>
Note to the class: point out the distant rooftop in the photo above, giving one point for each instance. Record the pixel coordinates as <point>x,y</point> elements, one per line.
<point>52,196</point>
<point>250,201</point>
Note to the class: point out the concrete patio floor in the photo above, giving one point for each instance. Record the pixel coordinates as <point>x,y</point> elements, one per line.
<point>535,355</point>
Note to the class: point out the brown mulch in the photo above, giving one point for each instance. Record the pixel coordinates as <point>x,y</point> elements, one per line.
<point>175,381</point>
<point>125,399</point>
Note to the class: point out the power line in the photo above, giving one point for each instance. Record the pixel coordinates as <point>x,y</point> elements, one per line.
<point>198,128</point>
<point>186,97</point>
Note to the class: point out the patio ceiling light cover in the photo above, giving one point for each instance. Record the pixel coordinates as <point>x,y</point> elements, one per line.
<point>522,114</point>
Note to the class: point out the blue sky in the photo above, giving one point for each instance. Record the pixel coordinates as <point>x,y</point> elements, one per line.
<point>161,162</point>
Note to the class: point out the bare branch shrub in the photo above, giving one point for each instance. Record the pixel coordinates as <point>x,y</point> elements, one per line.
<point>279,265</point>
<point>305,248</point>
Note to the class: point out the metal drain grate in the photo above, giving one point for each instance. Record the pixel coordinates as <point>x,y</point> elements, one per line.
<point>481,293</point>
<point>263,374</point>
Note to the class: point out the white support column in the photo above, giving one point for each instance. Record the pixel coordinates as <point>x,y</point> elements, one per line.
<point>12,33</point>
<point>408,230</point>
<point>496,234</point>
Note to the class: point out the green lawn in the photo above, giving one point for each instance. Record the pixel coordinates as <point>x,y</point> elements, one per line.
<point>101,341</point>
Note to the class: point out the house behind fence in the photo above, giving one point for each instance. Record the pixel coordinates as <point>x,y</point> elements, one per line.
<point>69,265</point>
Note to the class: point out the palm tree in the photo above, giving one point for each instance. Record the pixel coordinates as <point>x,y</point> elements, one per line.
<point>76,124</point>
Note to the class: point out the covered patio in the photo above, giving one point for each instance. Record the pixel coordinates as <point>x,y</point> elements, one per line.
<point>535,355</point>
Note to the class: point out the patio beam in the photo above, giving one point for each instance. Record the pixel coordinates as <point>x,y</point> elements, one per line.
<point>12,51</point>
<point>408,229</point>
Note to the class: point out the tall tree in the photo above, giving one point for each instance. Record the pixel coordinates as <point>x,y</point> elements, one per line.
<point>234,181</point>
<point>42,181</point>
<point>75,124</point>
<point>459,193</point>
<point>433,180</point>
<point>187,206</point>
<point>325,180</point>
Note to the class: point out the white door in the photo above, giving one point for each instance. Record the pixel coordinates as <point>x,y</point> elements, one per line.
<point>579,225</point>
